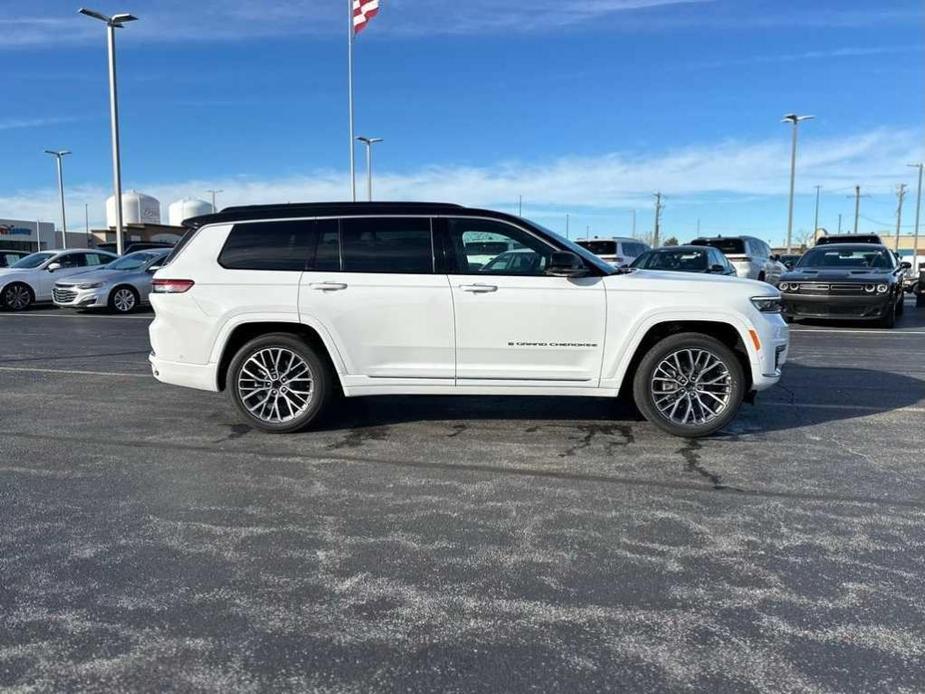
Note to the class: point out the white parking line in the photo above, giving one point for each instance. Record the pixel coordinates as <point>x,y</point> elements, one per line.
<point>876,333</point>
<point>73,315</point>
<point>851,408</point>
<point>73,372</point>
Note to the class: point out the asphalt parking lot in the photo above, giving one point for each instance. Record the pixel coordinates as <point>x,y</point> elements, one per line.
<point>149,540</point>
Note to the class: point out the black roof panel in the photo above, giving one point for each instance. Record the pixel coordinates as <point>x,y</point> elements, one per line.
<point>320,209</point>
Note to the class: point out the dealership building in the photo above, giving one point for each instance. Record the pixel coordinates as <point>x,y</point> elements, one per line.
<point>22,235</point>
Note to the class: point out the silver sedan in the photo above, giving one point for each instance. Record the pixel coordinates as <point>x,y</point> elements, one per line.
<point>122,285</point>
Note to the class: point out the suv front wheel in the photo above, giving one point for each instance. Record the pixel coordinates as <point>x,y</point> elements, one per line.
<point>279,383</point>
<point>690,385</point>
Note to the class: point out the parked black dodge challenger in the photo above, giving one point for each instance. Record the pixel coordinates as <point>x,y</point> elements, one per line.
<point>845,281</point>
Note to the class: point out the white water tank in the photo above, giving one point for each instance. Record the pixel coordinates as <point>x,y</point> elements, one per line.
<point>137,208</point>
<point>186,208</point>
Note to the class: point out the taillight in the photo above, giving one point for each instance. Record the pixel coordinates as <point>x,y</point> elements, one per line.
<point>171,286</point>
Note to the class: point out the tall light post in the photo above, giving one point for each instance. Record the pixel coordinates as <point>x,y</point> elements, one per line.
<point>918,212</point>
<point>114,22</point>
<point>369,142</point>
<point>59,154</point>
<point>794,120</point>
<point>214,193</point>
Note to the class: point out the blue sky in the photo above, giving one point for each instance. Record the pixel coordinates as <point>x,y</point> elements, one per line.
<point>584,107</point>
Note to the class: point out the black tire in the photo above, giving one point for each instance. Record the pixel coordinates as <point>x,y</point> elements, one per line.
<point>320,389</point>
<point>889,319</point>
<point>123,299</point>
<point>646,372</point>
<point>17,296</point>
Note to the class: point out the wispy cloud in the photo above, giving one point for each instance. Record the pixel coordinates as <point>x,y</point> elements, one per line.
<point>833,54</point>
<point>725,171</point>
<point>15,123</point>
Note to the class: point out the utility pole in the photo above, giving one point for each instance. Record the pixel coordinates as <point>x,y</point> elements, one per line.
<point>816,219</point>
<point>87,221</point>
<point>658,218</point>
<point>918,210</point>
<point>566,225</point>
<point>900,194</point>
<point>520,205</point>
<point>698,226</point>
<point>857,206</point>
<point>634,223</point>
<point>839,222</point>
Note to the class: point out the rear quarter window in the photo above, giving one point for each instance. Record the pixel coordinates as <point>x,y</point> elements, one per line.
<point>280,246</point>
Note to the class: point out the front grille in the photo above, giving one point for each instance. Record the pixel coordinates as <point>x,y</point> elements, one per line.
<point>64,296</point>
<point>832,310</point>
<point>832,288</point>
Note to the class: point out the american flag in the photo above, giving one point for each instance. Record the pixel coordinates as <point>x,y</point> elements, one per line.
<point>363,11</point>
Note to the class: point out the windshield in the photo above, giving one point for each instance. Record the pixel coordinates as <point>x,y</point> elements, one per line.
<point>33,261</point>
<point>600,247</point>
<point>846,257</point>
<point>604,267</point>
<point>134,261</point>
<point>726,246</point>
<point>687,260</point>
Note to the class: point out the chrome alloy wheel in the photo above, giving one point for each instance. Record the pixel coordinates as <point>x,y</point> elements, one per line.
<point>275,385</point>
<point>124,300</point>
<point>17,297</point>
<point>691,386</point>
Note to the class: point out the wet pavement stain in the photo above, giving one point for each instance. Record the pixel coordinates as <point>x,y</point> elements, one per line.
<point>357,438</point>
<point>237,431</point>
<point>592,431</point>
<point>691,454</point>
<point>457,430</point>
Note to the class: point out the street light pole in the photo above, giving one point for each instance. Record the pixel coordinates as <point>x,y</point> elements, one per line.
<point>816,218</point>
<point>918,211</point>
<point>369,142</point>
<point>214,193</point>
<point>117,21</point>
<point>59,154</point>
<point>795,120</point>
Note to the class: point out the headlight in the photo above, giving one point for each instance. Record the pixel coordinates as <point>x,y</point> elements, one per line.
<point>881,288</point>
<point>90,285</point>
<point>789,286</point>
<point>869,288</point>
<point>767,304</point>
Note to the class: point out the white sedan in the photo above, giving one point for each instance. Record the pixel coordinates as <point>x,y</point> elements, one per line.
<point>31,279</point>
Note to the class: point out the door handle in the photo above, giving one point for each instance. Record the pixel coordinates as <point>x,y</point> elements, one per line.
<point>478,288</point>
<point>328,286</point>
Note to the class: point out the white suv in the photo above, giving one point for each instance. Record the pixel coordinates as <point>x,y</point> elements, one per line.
<point>752,258</point>
<point>617,251</point>
<point>285,306</point>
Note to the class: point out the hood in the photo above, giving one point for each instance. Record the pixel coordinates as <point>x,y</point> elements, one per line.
<point>661,280</point>
<point>93,276</point>
<point>828,274</point>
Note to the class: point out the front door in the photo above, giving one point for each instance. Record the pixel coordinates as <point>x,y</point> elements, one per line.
<point>514,324</point>
<point>372,286</point>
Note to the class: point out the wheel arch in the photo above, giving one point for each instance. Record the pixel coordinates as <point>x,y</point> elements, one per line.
<point>725,332</point>
<point>243,332</point>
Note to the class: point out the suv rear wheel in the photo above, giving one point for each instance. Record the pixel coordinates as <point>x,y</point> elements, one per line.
<point>279,383</point>
<point>690,385</point>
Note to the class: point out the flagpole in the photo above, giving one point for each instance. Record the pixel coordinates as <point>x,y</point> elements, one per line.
<point>353,167</point>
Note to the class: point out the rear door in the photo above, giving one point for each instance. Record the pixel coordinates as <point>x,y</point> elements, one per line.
<point>516,326</point>
<point>373,287</point>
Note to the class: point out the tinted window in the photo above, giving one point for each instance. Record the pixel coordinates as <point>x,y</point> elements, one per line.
<point>847,257</point>
<point>728,246</point>
<point>33,260</point>
<point>97,259</point>
<point>326,257</point>
<point>71,260</point>
<point>267,246</point>
<point>677,260</point>
<point>386,245</point>
<point>633,249</point>
<point>599,247</point>
<point>482,246</point>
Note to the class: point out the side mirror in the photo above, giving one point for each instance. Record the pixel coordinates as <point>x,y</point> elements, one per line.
<point>775,258</point>
<point>718,269</point>
<point>566,264</point>
<point>905,265</point>
<point>53,266</point>
<point>789,265</point>
<point>154,268</point>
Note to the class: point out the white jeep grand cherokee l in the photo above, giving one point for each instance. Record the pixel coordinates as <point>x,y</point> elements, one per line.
<point>285,306</point>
